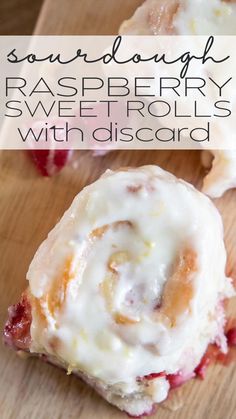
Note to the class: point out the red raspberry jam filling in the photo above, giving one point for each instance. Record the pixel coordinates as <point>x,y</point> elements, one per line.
<point>17,329</point>
<point>50,162</point>
<point>154,375</point>
<point>231,336</point>
<point>176,380</point>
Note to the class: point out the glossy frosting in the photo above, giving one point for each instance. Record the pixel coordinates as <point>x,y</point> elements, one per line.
<point>196,17</point>
<point>130,281</point>
<point>182,17</point>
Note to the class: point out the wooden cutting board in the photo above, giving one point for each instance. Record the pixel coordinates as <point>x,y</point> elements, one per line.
<point>30,206</point>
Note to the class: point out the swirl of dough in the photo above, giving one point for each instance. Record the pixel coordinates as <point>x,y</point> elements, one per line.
<point>128,285</point>
<point>191,17</point>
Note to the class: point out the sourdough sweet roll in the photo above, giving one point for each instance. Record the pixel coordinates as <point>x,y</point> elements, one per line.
<point>127,289</point>
<point>196,17</point>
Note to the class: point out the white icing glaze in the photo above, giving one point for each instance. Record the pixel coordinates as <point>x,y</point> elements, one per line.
<point>182,17</point>
<point>201,17</point>
<point>158,389</point>
<point>88,279</point>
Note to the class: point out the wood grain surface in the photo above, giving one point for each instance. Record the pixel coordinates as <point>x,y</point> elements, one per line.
<point>18,17</point>
<point>30,206</point>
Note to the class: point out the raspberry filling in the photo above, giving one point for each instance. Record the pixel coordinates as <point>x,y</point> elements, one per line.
<point>154,375</point>
<point>50,162</point>
<point>17,335</point>
<point>211,355</point>
<point>176,380</point>
<point>17,329</point>
<point>231,336</point>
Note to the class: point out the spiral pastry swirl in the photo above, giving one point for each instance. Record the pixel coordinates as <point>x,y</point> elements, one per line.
<point>126,290</point>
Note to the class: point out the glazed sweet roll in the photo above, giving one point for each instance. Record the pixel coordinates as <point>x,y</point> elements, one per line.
<point>195,17</point>
<point>127,289</point>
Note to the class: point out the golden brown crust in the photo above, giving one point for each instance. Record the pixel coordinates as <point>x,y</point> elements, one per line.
<point>178,291</point>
